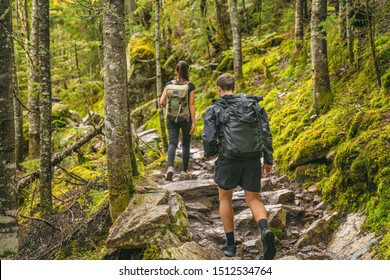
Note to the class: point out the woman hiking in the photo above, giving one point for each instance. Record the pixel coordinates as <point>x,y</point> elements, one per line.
<point>179,99</point>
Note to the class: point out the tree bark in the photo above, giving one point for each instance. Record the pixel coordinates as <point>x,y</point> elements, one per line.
<point>342,21</point>
<point>298,25</point>
<point>8,194</point>
<point>237,52</point>
<point>349,33</point>
<point>17,112</point>
<point>45,107</point>
<point>246,19</point>
<point>321,83</point>
<point>372,44</point>
<point>119,173</point>
<point>164,139</point>
<point>33,88</point>
<point>259,19</point>
<point>221,8</point>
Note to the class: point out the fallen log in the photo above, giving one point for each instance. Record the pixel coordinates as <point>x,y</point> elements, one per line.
<point>57,158</point>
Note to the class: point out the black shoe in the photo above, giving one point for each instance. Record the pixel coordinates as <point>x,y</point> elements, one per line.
<point>229,250</point>
<point>268,239</point>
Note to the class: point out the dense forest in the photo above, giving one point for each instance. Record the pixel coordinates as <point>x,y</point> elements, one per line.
<point>80,84</point>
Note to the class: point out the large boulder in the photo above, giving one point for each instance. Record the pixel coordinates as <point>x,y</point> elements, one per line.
<point>148,218</point>
<point>193,189</point>
<point>191,251</point>
<point>348,242</point>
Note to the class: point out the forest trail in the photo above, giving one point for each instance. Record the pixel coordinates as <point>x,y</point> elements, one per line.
<point>298,216</point>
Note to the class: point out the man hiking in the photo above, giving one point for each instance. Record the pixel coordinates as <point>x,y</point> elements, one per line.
<point>236,129</point>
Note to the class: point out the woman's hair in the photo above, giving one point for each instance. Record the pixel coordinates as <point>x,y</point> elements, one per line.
<point>182,70</point>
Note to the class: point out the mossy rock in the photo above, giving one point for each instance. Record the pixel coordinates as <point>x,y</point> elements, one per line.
<point>269,42</point>
<point>60,112</point>
<point>141,48</point>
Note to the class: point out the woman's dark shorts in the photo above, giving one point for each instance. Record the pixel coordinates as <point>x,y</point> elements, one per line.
<point>230,173</point>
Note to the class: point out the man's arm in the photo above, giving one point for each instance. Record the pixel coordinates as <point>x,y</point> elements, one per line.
<point>267,139</point>
<point>209,134</point>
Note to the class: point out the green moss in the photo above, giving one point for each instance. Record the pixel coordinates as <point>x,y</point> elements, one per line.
<point>363,120</point>
<point>278,233</point>
<point>226,63</point>
<point>386,80</point>
<point>180,226</point>
<point>152,252</point>
<point>141,48</point>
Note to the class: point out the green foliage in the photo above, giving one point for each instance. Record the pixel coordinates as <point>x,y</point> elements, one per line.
<point>278,233</point>
<point>152,252</point>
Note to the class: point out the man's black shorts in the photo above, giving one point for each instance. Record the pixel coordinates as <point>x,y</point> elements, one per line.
<point>230,173</point>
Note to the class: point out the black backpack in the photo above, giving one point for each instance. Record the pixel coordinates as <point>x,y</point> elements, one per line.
<point>241,129</point>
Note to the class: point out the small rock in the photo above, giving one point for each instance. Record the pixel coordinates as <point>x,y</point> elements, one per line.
<point>266,184</point>
<point>316,231</point>
<point>319,206</point>
<point>278,197</point>
<point>313,188</point>
<point>285,243</point>
<point>290,258</point>
<point>282,180</point>
<point>197,206</point>
<point>276,216</point>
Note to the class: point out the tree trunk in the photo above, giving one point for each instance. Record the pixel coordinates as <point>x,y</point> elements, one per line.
<point>158,76</point>
<point>45,107</point>
<point>33,88</point>
<point>349,33</point>
<point>18,116</point>
<point>246,19</point>
<point>306,12</point>
<point>221,8</point>
<point>259,19</point>
<point>321,83</point>
<point>237,52</point>
<point>342,21</point>
<point>119,173</point>
<point>8,194</point>
<point>298,25</point>
<point>372,44</point>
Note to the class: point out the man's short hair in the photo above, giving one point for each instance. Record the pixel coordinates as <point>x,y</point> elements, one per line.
<point>225,82</point>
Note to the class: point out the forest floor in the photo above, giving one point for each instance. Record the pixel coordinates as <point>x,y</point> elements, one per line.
<point>297,216</point>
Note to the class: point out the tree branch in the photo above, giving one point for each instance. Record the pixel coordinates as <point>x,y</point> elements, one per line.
<point>56,159</point>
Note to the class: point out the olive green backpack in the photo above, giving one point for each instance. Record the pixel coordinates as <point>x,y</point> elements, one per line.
<point>177,102</point>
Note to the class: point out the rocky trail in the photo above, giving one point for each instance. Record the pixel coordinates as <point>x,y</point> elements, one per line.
<point>304,227</point>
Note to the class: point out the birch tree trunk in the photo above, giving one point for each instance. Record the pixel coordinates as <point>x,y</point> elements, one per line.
<point>8,193</point>
<point>321,83</point>
<point>298,25</point>
<point>33,88</point>
<point>119,173</point>
<point>158,75</point>
<point>237,52</point>
<point>45,107</point>
<point>17,112</point>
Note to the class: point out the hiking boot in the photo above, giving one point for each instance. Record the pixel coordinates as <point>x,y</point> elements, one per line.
<point>170,173</point>
<point>268,239</point>
<point>229,250</point>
